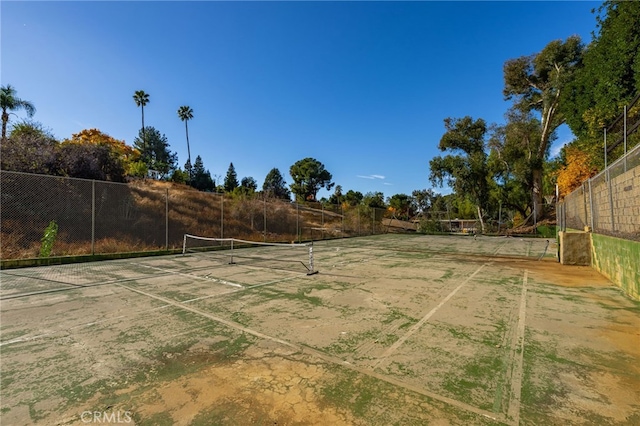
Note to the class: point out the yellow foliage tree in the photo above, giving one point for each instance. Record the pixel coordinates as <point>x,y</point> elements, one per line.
<point>577,170</point>
<point>92,154</point>
<point>96,137</point>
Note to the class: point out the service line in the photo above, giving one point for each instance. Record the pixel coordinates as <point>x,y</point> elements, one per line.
<point>424,319</point>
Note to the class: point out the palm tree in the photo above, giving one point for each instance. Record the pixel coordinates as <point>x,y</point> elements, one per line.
<point>10,102</point>
<point>141,99</point>
<point>186,113</point>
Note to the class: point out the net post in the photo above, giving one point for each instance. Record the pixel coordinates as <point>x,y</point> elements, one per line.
<point>184,245</point>
<point>312,271</point>
<point>231,262</point>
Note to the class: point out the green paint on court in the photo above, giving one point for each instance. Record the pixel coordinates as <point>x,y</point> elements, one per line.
<point>343,343</point>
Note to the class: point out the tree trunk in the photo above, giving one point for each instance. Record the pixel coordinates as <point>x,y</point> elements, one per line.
<point>5,119</point>
<point>481,219</point>
<point>144,138</point>
<point>537,193</point>
<point>186,128</point>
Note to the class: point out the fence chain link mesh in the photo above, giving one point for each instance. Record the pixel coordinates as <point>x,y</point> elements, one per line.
<point>97,217</point>
<point>608,203</point>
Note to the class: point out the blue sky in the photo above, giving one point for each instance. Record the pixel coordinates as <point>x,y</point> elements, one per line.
<point>363,87</point>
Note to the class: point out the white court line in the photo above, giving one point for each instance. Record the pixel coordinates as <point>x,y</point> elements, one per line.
<point>499,248</point>
<point>424,319</point>
<point>206,277</point>
<point>244,288</point>
<point>326,357</point>
<point>88,324</point>
<point>517,354</point>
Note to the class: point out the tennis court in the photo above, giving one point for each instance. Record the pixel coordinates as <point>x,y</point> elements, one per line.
<point>393,329</point>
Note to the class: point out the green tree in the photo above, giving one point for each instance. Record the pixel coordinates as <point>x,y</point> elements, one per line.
<point>31,128</point>
<point>608,79</point>
<point>188,170</point>
<point>141,98</point>
<point>231,179</point>
<point>248,186</point>
<point>31,149</point>
<point>423,199</point>
<point>336,197</point>
<point>402,205</point>
<point>466,172</point>
<point>309,176</point>
<point>353,198</point>
<point>275,186</point>
<point>513,159</point>
<point>201,179</point>
<point>186,113</point>
<point>374,199</point>
<point>156,151</point>
<point>9,101</point>
<point>179,176</point>
<point>537,83</point>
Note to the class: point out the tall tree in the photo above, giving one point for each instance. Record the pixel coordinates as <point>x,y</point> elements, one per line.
<point>9,101</point>
<point>309,175</point>
<point>353,198</point>
<point>403,206</point>
<point>513,158</point>
<point>186,113</point>
<point>466,172</point>
<point>201,177</point>
<point>248,186</point>
<point>537,83</point>
<point>608,79</point>
<point>188,170</point>
<point>423,199</point>
<point>374,199</point>
<point>141,98</point>
<point>337,196</point>
<point>275,186</point>
<point>156,151</point>
<point>231,180</point>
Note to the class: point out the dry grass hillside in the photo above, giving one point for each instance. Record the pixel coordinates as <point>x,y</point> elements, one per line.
<point>151,215</point>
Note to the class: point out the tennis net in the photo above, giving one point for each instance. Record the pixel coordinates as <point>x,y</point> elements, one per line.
<point>235,250</point>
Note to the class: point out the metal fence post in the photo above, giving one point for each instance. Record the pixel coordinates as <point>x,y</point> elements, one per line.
<point>591,205</point>
<point>222,215</point>
<point>584,199</point>
<point>93,216</point>
<point>608,176</point>
<point>166,215</point>
<point>298,220</point>
<point>373,221</point>
<point>625,138</point>
<point>264,208</point>
<point>322,221</point>
<point>605,148</point>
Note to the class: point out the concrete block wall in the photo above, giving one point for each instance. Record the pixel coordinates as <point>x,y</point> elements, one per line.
<point>614,204</point>
<point>626,201</point>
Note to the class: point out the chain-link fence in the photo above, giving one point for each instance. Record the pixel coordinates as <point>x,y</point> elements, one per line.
<point>608,203</point>
<point>95,217</point>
